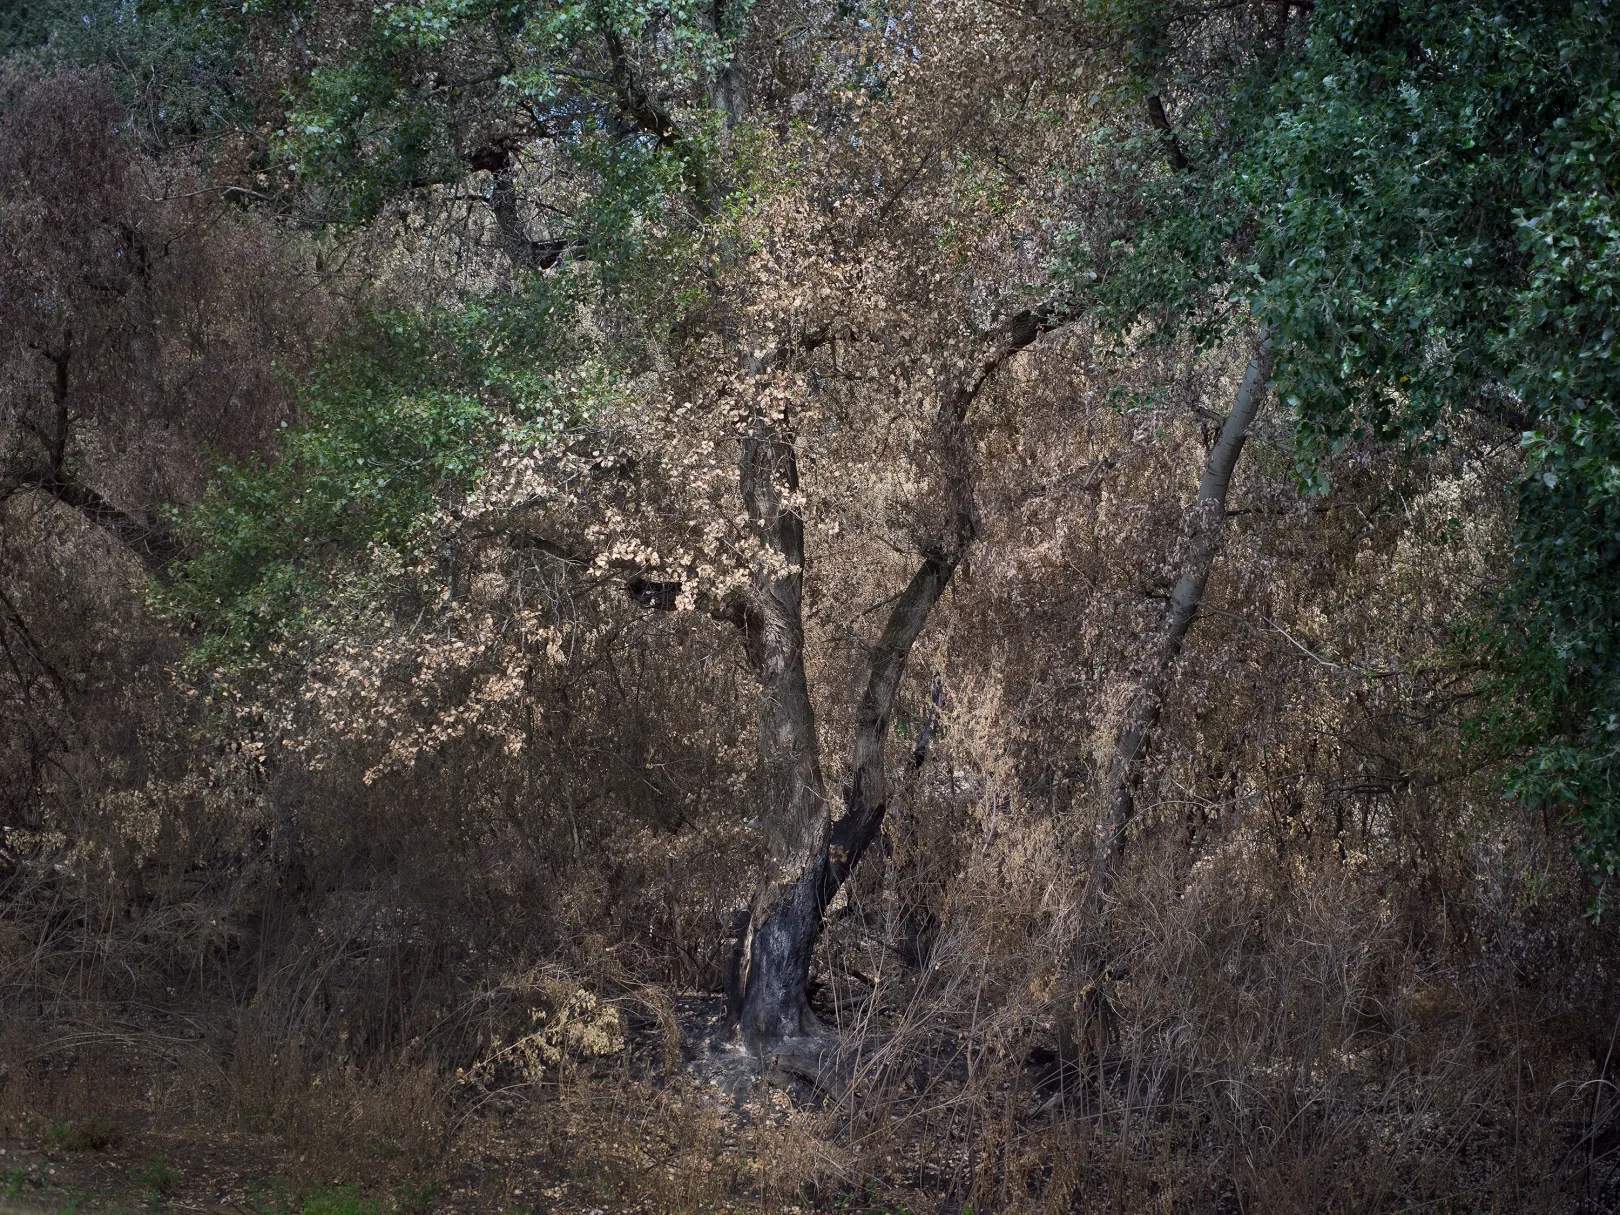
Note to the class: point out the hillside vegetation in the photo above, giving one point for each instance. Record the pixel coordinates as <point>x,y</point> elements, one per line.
<point>839,605</point>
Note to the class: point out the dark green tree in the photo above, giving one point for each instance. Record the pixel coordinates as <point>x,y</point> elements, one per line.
<point>1417,203</point>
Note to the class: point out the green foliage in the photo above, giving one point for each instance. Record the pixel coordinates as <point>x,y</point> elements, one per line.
<point>400,420</point>
<point>158,1178</point>
<point>414,94</point>
<point>396,425</point>
<point>622,219</point>
<point>1419,206</point>
<point>174,63</point>
<point>93,1134</point>
<point>417,1199</point>
<point>336,1200</point>
<point>285,1199</point>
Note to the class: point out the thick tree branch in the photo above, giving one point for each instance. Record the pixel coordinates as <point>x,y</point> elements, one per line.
<point>866,800</point>
<point>1146,699</point>
<point>525,252</point>
<point>640,107</point>
<point>1172,144</point>
<point>150,542</point>
<point>635,102</point>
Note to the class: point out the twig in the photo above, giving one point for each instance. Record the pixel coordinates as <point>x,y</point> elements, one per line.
<point>1364,672</point>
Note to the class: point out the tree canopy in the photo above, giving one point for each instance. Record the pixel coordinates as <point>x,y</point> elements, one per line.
<point>1416,203</point>
<point>1041,576</point>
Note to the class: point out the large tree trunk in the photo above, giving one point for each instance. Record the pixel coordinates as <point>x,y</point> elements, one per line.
<point>785,908</point>
<point>1145,699</point>
<point>813,853</point>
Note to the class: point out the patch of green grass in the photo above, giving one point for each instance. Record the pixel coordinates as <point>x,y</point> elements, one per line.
<point>283,1199</point>
<point>279,1201</point>
<point>416,1199</point>
<point>14,1183</point>
<point>92,1134</point>
<point>337,1200</point>
<point>158,1178</point>
<point>867,1201</point>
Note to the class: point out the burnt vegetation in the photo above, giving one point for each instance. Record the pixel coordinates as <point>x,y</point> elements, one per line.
<point>817,606</point>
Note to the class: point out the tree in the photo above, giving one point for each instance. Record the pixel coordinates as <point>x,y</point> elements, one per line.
<point>148,323</point>
<point>820,307</point>
<point>1416,202</point>
<point>814,853</point>
<point>128,351</point>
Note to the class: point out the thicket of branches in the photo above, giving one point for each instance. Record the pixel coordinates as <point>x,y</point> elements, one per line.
<point>1050,568</point>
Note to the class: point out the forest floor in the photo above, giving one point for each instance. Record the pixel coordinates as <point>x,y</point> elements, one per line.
<point>118,1132</point>
<point>522,1166</point>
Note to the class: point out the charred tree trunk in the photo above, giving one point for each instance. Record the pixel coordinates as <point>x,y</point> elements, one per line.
<point>777,953</point>
<point>814,853</point>
<point>1145,699</point>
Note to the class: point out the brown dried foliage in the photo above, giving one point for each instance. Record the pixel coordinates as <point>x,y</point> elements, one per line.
<point>1337,971</point>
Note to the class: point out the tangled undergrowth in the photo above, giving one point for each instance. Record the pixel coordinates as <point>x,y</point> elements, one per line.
<point>507,517</point>
<point>1333,976</point>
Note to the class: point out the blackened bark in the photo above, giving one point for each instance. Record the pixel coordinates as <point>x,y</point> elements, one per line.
<point>777,948</point>
<point>815,854</point>
<point>661,596</point>
<point>1145,699</point>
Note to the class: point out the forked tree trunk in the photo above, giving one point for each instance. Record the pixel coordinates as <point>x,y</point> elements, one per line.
<point>813,853</point>
<point>1145,700</point>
